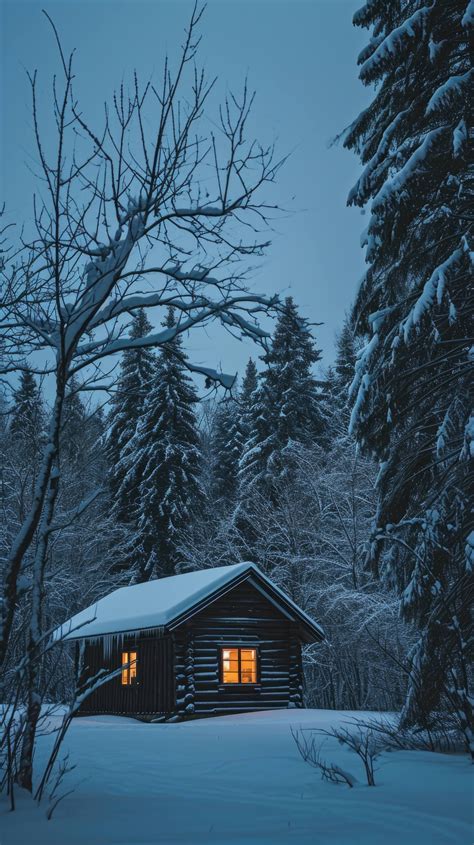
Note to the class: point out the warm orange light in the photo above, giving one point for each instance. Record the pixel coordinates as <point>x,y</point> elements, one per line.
<point>239,665</point>
<point>248,666</point>
<point>129,672</point>
<point>230,665</point>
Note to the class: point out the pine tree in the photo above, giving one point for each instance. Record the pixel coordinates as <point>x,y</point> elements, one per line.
<point>226,451</point>
<point>136,373</point>
<point>337,383</point>
<point>83,449</point>
<point>73,426</point>
<point>411,389</point>
<point>8,515</point>
<point>231,431</point>
<point>165,455</point>
<point>27,436</point>
<point>345,356</point>
<point>97,446</point>
<point>27,413</point>
<point>249,386</point>
<point>286,406</point>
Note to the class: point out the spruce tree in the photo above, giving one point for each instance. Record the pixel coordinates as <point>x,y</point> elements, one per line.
<point>83,450</point>
<point>27,412</point>
<point>337,384</point>
<point>249,386</point>
<point>27,435</point>
<point>164,455</point>
<point>73,426</point>
<point>136,373</point>
<point>412,383</point>
<point>97,445</point>
<point>286,407</point>
<point>5,478</point>
<point>345,356</point>
<point>226,451</point>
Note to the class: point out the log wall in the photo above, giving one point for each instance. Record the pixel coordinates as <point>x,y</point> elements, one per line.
<point>179,675</point>
<point>244,617</point>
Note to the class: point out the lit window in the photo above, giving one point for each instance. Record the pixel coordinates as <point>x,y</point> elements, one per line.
<point>129,671</point>
<point>239,665</point>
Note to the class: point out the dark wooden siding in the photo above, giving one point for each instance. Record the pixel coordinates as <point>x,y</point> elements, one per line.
<point>154,692</point>
<point>179,675</point>
<point>244,617</point>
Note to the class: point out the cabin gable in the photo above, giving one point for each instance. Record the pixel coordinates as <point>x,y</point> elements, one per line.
<point>245,619</point>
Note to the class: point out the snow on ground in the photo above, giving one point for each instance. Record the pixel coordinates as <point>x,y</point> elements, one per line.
<point>238,780</point>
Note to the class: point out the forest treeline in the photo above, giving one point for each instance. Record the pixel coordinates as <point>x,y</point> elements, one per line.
<point>265,472</point>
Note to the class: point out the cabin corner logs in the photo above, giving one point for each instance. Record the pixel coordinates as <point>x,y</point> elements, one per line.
<point>179,673</point>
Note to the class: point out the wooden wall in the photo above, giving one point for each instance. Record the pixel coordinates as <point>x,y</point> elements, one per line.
<point>244,617</point>
<point>154,692</point>
<point>179,675</point>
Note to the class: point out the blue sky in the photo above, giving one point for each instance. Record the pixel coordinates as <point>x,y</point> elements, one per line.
<point>299,55</point>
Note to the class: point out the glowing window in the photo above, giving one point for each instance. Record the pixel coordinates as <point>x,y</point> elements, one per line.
<point>129,671</point>
<point>239,665</point>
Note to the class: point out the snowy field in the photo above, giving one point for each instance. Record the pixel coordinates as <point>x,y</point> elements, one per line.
<point>238,780</point>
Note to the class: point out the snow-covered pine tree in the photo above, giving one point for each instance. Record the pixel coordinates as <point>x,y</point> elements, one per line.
<point>96,428</point>
<point>83,450</point>
<point>228,431</point>
<point>337,383</point>
<point>27,437</point>
<point>136,373</point>
<point>73,425</point>
<point>231,430</point>
<point>226,451</point>
<point>27,416</point>
<point>412,382</point>
<point>286,407</point>
<point>249,385</point>
<point>345,356</point>
<point>165,452</point>
<point>8,515</point>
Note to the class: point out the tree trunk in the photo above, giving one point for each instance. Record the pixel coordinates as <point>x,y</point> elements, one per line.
<point>33,711</point>
<point>21,545</point>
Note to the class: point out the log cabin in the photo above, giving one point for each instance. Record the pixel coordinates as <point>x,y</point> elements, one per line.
<point>209,642</point>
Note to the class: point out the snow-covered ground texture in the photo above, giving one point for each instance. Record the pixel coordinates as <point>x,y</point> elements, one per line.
<point>239,780</point>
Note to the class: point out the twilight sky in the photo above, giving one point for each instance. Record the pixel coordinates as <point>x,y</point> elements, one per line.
<point>299,55</point>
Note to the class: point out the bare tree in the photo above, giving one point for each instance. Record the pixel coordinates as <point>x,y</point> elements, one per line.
<point>151,210</point>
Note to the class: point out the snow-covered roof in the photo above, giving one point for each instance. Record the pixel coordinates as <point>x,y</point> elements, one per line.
<point>159,603</point>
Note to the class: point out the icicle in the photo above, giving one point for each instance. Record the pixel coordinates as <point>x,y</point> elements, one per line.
<point>107,642</point>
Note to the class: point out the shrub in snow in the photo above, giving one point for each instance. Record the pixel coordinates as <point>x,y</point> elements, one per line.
<point>311,753</point>
<point>360,739</point>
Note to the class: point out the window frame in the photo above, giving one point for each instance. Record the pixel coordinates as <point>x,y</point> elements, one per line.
<point>240,683</point>
<point>129,684</point>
